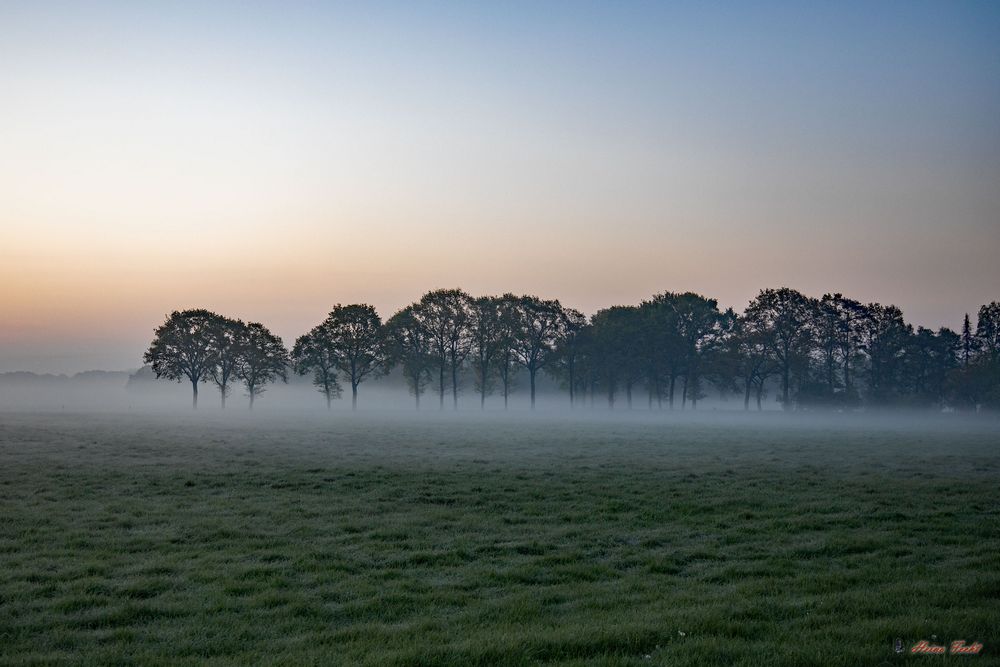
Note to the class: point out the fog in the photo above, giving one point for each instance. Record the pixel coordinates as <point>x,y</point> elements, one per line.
<point>137,394</point>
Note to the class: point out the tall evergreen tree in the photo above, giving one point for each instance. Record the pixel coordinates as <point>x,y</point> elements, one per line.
<point>968,342</point>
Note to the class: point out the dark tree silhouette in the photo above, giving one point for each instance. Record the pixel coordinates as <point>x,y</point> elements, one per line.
<point>884,337</point>
<point>486,331</point>
<point>665,347</point>
<point>968,342</point>
<point>785,315</point>
<point>409,346</point>
<point>511,326</point>
<point>751,344</point>
<point>357,340</point>
<point>445,315</point>
<point>315,353</point>
<point>836,326</point>
<point>263,359</point>
<point>541,327</point>
<point>653,327</point>
<point>226,342</point>
<point>182,348</point>
<point>568,353</point>
<point>718,367</point>
<point>698,321</point>
<point>614,331</point>
<point>978,384</point>
<point>928,361</point>
<point>988,331</point>
<point>834,352</point>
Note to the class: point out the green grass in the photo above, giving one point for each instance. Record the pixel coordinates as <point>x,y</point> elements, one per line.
<point>153,540</point>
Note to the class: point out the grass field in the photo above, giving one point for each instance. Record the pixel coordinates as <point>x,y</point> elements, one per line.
<point>163,540</point>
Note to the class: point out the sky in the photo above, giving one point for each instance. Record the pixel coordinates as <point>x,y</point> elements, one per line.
<point>269,160</point>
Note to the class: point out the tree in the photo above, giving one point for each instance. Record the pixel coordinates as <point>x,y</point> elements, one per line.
<point>568,350</point>
<point>182,348</point>
<point>511,326</point>
<point>445,315</point>
<point>697,320</point>
<point>226,335</point>
<point>929,360</point>
<point>988,331</point>
<point>409,346</point>
<point>662,347</point>
<point>978,383</point>
<point>263,359</point>
<point>356,338</point>
<point>610,332</point>
<point>884,338</point>
<point>541,326</point>
<point>719,365</point>
<point>836,322</point>
<point>588,362</point>
<point>968,342</point>
<point>751,345</point>
<point>786,316</point>
<point>486,337</point>
<point>314,352</point>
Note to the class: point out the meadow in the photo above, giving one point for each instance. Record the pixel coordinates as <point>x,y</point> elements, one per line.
<point>527,539</point>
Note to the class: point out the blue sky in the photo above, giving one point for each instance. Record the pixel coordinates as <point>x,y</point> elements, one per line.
<point>271,159</point>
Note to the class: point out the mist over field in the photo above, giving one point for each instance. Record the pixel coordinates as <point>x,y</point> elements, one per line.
<point>136,391</point>
<point>399,538</point>
<point>423,334</point>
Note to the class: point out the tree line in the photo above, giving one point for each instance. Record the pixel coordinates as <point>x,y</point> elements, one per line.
<point>672,350</point>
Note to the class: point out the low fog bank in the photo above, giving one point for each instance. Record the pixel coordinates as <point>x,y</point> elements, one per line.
<point>139,395</point>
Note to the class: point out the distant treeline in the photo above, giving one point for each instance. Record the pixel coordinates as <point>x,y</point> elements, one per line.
<point>670,350</point>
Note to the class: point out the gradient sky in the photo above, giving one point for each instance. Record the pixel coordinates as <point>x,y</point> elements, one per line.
<point>270,160</point>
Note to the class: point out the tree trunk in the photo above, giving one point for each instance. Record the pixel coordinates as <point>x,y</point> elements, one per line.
<point>454,385</point>
<point>531,373</point>
<point>194,394</point>
<point>354,396</point>
<point>327,392</point>
<point>784,388</point>
<point>483,370</point>
<point>441,385</point>
<point>746,396</point>
<point>506,380</point>
<point>673,385</point>
<point>251,396</point>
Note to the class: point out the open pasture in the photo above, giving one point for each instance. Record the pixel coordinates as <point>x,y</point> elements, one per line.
<point>145,539</point>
